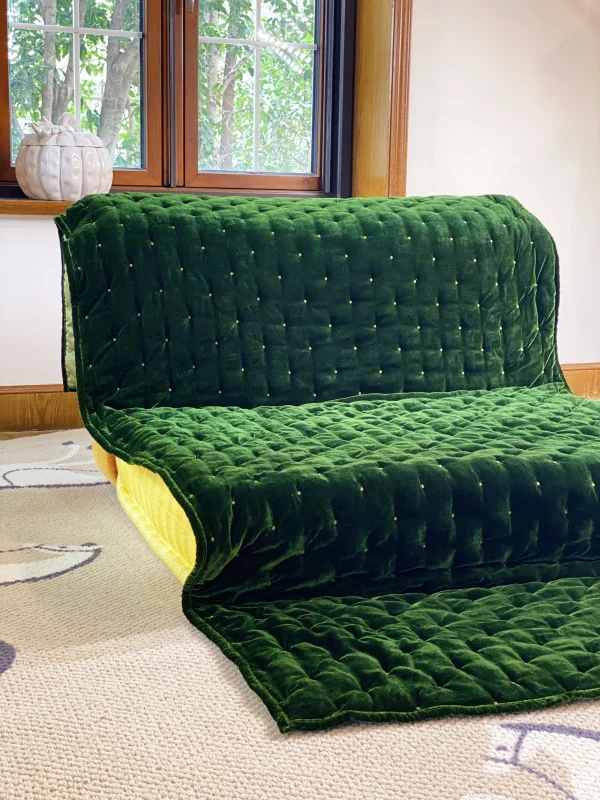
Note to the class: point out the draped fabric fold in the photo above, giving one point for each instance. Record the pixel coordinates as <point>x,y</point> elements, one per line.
<point>358,406</point>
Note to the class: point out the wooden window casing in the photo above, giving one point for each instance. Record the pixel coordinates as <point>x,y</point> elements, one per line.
<point>170,81</point>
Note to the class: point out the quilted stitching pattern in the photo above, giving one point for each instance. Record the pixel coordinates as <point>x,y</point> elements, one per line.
<point>349,496</point>
<point>225,343</point>
<point>237,301</point>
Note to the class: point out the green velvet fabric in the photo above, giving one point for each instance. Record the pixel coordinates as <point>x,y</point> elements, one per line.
<point>359,407</point>
<point>399,491</point>
<point>281,301</point>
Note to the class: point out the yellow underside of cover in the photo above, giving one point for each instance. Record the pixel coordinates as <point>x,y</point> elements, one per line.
<point>154,511</point>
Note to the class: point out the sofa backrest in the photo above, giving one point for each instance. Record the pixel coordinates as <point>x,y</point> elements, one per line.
<point>191,301</point>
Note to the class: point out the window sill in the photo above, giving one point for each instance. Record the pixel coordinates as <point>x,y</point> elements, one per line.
<point>28,208</point>
<point>21,206</point>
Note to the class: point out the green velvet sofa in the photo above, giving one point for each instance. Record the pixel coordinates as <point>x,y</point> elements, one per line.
<point>358,407</point>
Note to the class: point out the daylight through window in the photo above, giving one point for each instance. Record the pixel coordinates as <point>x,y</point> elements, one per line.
<point>257,105</point>
<point>83,57</point>
<point>222,95</point>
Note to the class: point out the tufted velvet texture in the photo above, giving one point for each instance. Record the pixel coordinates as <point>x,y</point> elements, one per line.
<point>351,400</point>
<point>188,301</point>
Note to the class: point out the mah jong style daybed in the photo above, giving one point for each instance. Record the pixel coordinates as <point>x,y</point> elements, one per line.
<point>343,425</point>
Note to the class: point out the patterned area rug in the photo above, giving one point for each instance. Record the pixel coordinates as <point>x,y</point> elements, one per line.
<point>106,691</point>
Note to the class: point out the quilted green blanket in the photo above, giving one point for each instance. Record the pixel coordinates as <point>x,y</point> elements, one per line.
<point>359,407</point>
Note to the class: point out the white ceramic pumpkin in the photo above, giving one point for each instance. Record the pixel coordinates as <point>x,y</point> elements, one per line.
<point>56,162</point>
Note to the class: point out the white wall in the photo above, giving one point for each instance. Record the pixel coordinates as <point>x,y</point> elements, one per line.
<point>505,98</point>
<point>30,301</point>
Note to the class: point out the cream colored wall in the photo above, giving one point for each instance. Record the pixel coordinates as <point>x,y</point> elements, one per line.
<point>30,301</point>
<point>505,98</point>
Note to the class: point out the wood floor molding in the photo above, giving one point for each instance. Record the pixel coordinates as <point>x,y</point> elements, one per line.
<point>49,408</point>
<point>584,379</point>
<point>42,388</point>
<point>580,367</point>
<point>38,408</point>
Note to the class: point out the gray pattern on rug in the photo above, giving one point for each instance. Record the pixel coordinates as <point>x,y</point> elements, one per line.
<point>99,698</point>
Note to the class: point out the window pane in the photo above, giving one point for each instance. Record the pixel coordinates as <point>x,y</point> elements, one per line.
<point>286,110</point>
<point>225,107</point>
<point>122,15</point>
<point>288,20</point>
<point>55,13</point>
<point>231,19</point>
<point>111,96</point>
<point>41,70</point>
<point>272,132</point>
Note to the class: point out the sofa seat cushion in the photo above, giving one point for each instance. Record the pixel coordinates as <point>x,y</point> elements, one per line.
<point>375,493</point>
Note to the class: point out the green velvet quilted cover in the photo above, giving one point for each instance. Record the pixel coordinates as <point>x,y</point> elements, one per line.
<point>358,405</point>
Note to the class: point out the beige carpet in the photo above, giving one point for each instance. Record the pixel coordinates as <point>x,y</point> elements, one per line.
<point>106,691</point>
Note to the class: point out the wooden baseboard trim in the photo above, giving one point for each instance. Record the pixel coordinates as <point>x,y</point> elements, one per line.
<point>42,388</point>
<point>38,408</point>
<point>579,367</point>
<point>584,379</point>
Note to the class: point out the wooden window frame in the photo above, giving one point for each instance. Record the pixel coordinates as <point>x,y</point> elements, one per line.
<point>171,100</point>
<point>152,174</point>
<point>381,104</point>
<point>198,180</point>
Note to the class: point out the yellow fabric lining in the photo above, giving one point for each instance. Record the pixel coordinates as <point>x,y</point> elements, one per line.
<point>153,510</point>
<point>106,463</point>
